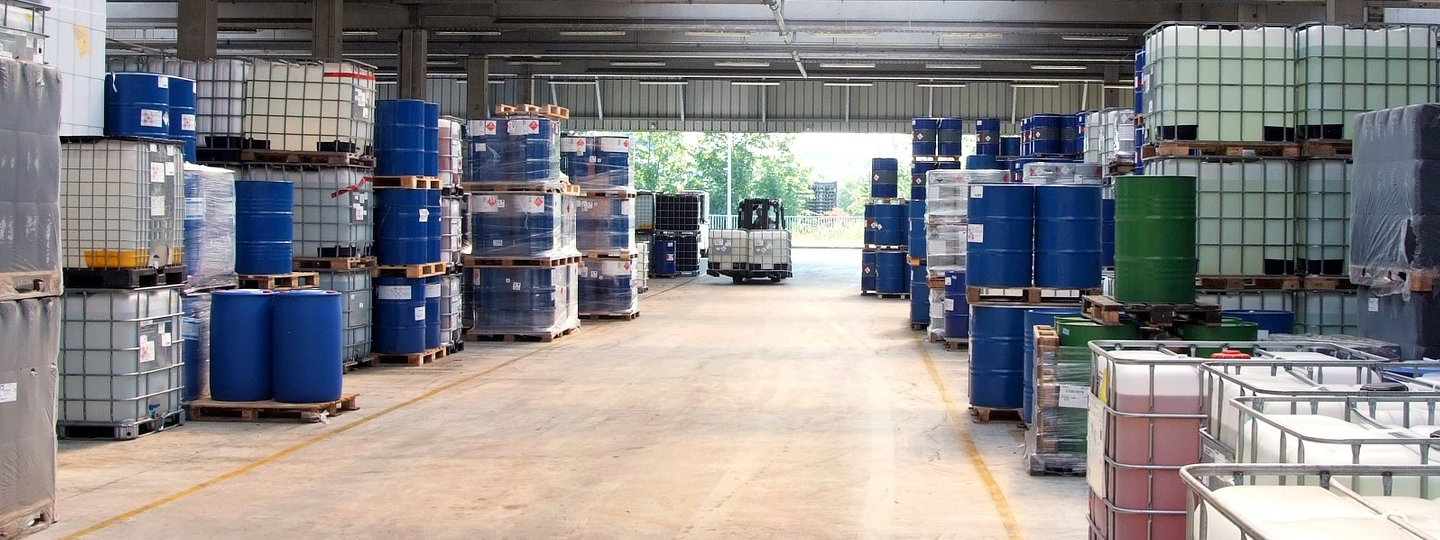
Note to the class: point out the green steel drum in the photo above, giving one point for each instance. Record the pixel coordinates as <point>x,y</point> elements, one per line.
<point>1155,239</point>
<point>1079,331</point>
<point>1229,329</point>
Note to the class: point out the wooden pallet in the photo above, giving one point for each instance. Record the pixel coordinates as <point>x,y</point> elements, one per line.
<point>21,285</point>
<point>1025,295</point>
<point>935,282</point>
<point>616,193</point>
<point>541,337</point>
<point>281,282</point>
<point>613,255</point>
<point>410,270</point>
<point>1419,280</point>
<point>905,295</point>
<point>472,261</point>
<point>1221,149</point>
<point>124,278</point>
<point>986,415</point>
<point>522,187</point>
<point>209,410</point>
<point>1108,311</point>
<point>405,182</point>
<point>285,157</point>
<point>412,359</point>
<point>1247,283</point>
<point>1327,283</point>
<point>120,433</point>
<point>1118,169</point>
<point>553,112</point>
<point>611,316</point>
<point>915,261</point>
<point>957,344</point>
<point>1327,148</point>
<point>333,263</point>
<point>33,518</point>
<point>1054,464</point>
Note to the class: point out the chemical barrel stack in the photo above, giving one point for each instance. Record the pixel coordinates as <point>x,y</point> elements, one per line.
<point>209,257</point>
<point>30,289</point>
<point>523,268</point>
<point>454,232</point>
<point>946,191</point>
<point>604,225</point>
<point>886,226</point>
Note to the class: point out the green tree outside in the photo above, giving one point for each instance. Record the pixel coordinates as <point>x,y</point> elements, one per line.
<point>762,166</point>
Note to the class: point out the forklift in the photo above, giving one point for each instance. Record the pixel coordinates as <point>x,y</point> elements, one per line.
<point>759,248</point>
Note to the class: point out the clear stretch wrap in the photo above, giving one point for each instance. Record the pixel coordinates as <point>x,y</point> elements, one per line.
<point>946,200</point>
<point>123,203</point>
<point>195,330</point>
<point>506,224</point>
<point>120,360</point>
<point>1058,172</point>
<point>452,293</point>
<point>30,330</point>
<point>1110,136</point>
<point>515,149</point>
<point>1062,378</point>
<point>641,265</point>
<point>209,226</point>
<point>29,179</point>
<point>607,287</point>
<point>452,151</point>
<point>452,223</point>
<point>333,207</point>
<point>937,314</point>
<point>525,300</point>
<point>596,163</point>
<point>311,106</point>
<point>605,224</point>
<point>219,93</point>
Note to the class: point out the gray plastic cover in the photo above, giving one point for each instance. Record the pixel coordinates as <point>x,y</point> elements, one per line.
<point>1395,197</point>
<point>29,378</point>
<point>29,179</point>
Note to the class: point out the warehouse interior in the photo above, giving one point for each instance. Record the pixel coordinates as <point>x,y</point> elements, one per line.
<point>474,269</point>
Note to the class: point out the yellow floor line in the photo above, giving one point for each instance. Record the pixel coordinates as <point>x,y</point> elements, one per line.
<point>967,443</point>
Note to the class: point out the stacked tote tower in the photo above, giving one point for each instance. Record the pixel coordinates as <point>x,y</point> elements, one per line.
<point>885,253</point>
<point>604,224</point>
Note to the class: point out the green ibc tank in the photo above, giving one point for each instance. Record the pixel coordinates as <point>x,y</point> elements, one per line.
<point>1229,329</point>
<point>1079,331</point>
<point>1155,239</point>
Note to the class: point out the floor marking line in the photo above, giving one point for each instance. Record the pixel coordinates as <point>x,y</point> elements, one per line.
<point>967,443</point>
<point>291,450</point>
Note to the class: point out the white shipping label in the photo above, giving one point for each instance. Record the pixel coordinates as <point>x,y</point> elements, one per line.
<point>1262,334</point>
<point>572,145</point>
<point>165,339</point>
<point>497,242</point>
<point>358,210</point>
<point>1074,396</point>
<point>1373,305</point>
<point>157,205</point>
<point>190,328</point>
<point>479,147</point>
<point>535,206</point>
<point>424,215</point>
<point>432,290</point>
<point>157,172</point>
<point>9,392</point>
<point>169,169</point>
<point>152,118</point>
<point>393,292</point>
<point>515,286</point>
<point>420,313</point>
<point>949,304</point>
<point>147,349</point>
<point>619,145</point>
<point>975,232</point>
<point>523,126</point>
<point>486,204</point>
<point>187,122</point>
<point>194,208</point>
<point>977,192</point>
<point>162,82</point>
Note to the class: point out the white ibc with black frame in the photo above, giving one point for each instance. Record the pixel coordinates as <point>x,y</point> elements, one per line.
<point>122,203</point>
<point>452,293</point>
<point>1219,82</point>
<point>1345,70</point>
<point>769,249</point>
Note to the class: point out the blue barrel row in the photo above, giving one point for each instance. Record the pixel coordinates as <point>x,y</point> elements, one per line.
<point>407,138</point>
<point>407,315</point>
<point>936,136</point>
<point>596,162</point>
<point>523,299</point>
<point>508,150</point>
<point>1052,135</point>
<point>1049,236</point>
<point>884,178</point>
<point>282,346</point>
<point>606,287</point>
<point>407,226</point>
<point>604,224</point>
<point>886,223</point>
<point>520,225</point>
<point>151,105</point>
<point>892,272</point>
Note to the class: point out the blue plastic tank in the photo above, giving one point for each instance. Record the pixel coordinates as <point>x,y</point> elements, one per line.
<point>401,315</point>
<point>264,226</point>
<point>182,114</point>
<point>925,134</point>
<point>306,336</point>
<point>949,141</point>
<point>400,134</point>
<point>240,345</point>
<point>402,226</point>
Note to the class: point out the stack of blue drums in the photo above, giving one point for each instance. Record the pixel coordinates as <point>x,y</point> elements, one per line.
<point>884,178</point>
<point>924,136</point>
<point>919,298</point>
<point>514,150</point>
<point>889,223</point>
<point>514,299</point>
<point>282,346</point>
<point>530,225</point>
<point>1139,107</point>
<point>401,138</point>
<point>918,170</point>
<point>605,224</point>
<point>408,229</point>
<point>596,163</point>
<point>606,287</point>
<point>950,136</point>
<point>987,137</point>
<point>151,105</point>
<point>1046,134</point>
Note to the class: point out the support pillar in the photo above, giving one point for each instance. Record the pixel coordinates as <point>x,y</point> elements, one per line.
<point>414,52</point>
<point>1345,11</point>
<point>477,88</point>
<point>198,23</point>
<point>526,94</point>
<point>328,30</point>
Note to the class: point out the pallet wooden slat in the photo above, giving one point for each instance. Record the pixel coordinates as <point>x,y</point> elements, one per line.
<point>269,410</point>
<point>1327,148</point>
<point>1248,283</point>
<point>333,263</point>
<point>1221,149</point>
<point>282,157</point>
<point>1328,283</point>
<point>628,316</point>
<point>473,261</point>
<point>986,415</point>
<point>1027,295</point>
<point>541,337</point>
<point>405,182</point>
<point>412,271</point>
<point>613,256</point>
<point>564,188</point>
<point>956,344</point>
<point>1108,311</point>
<point>412,359</point>
<point>281,282</point>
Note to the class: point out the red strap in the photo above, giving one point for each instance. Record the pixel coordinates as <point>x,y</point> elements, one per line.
<point>352,75</point>
<point>351,187</point>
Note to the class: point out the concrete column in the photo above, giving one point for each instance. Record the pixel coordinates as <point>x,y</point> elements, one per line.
<point>198,25</point>
<point>414,51</point>
<point>477,87</point>
<point>526,95</point>
<point>328,30</point>
<point>1345,11</point>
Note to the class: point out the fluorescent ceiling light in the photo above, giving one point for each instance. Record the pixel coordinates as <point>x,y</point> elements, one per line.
<point>716,33</point>
<point>466,33</point>
<point>628,63</point>
<point>940,85</point>
<point>664,83</point>
<point>238,32</point>
<point>361,33</point>
<point>1095,38</point>
<point>1046,67</point>
<point>1033,85</point>
<point>496,81</point>
<point>534,62</point>
<point>952,66</point>
<point>574,83</point>
<point>742,64</point>
<point>754,83</point>
<point>592,32</point>
<point>847,65</point>
<point>843,35</point>
<point>1119,87</point>
<point>971,35</point>
<point>850,84</point>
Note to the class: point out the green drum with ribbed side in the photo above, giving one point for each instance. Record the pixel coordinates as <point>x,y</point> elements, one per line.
<point>1155,239</point>
<point>1229,329</point>
<point>1079,331</point>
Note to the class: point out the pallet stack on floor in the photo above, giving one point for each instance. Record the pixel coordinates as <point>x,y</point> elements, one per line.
<point>605,225</point>
<point>523,267</point>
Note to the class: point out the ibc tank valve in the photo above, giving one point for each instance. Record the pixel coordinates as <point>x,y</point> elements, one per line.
<point>1230,354</point>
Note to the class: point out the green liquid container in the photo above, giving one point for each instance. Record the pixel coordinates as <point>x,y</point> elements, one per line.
<point>1229,329</point>
<point>1079,331</point>
<point>1155,239</point>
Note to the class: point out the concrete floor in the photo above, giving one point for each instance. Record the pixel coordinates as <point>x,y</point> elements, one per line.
<point>799,410</point>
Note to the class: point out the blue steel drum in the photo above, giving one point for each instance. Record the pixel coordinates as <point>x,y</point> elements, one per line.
<point>957,308</point>
<point>884,170</point>
<point>916,229</point>
<point>485,150</point>
<point>432,139</point>
<point>400,318</point>
<point>1068,236</point>
<point>1010,145</point>
<point>612,167</point>
<point>892,273</point>
<point>402,226</point>
<point>240,366</point>
<point>1001,236</point>
<point>1139,83</point>
<point>662,256</point>
<point>264,221</point>
<point>516,224</point>
<point>532,149</point>
<point>603,224</point>
<point>1047,134</point>
<point>950,165</point>
<point>1071,131</point>
<point>577,158</point>
<point>867,271</point>
<point>979,161</point>
<point>997,354</point>
<point>515,297</point>
<point>918,171</point>
<point>605,287</point>
<point>432,312</point>
<point>137,105</point>
<point>1270,321</point>
<point>987,137</point>
<point>1036,317</point>
<point>1107,229</point>
<point>182,114</point>
<point>919,296</point>
<point>951,135</point>
<point>432,225</point>
<point>890,224</point>
<point>870,224</point>
<point>307,337</point>
<point>925,133</point>
<point>400,133</point>
<point>884,191</point>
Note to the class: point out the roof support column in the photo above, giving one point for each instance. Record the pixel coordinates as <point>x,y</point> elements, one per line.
<point>526,95</point>
<point>198,23</point>
<point>414,51</point>
<point>1345,11</point>
<point>328,30</point>
<point>477,87</point>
